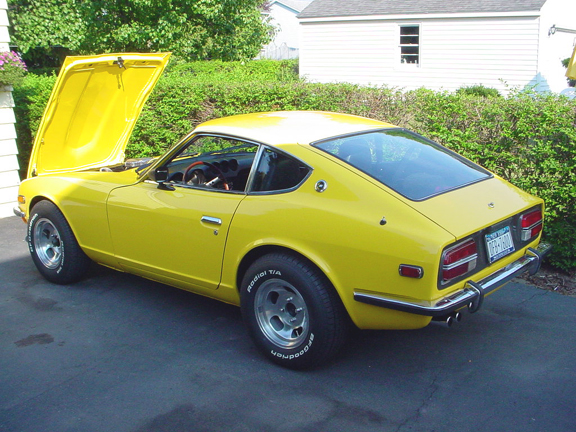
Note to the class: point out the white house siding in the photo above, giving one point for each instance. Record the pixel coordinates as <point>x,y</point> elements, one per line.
<point>498,52</point>
<point>286,42</point>
<point>353,51</point>
<point>9,178</point>
<point>286,23</point>
<point>555,48</point>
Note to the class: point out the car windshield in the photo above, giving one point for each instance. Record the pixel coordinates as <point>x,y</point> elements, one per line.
<point>406,162</point>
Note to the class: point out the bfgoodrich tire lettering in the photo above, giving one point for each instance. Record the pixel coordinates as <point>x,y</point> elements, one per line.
<point>292,312</point>
<point>53,247</point>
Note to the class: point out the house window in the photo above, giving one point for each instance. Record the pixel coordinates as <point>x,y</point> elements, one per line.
<point>410,44</point>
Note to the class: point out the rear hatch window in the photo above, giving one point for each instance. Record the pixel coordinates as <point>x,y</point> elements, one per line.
<point>412,165</point>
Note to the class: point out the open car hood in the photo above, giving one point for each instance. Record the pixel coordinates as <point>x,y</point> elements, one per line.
<point>92,110</point>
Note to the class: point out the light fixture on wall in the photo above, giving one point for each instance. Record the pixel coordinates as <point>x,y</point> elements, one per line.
<point>554,29</point>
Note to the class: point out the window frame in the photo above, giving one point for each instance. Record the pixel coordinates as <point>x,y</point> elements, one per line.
<point>176,150</point>
<point>189,140</point>
<point>418,62</point>
<point>256,164</point>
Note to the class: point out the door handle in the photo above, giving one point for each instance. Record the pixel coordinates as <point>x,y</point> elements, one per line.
<point>211,220</point>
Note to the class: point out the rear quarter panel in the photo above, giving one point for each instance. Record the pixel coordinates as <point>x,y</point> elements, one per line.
<point>340,231</point>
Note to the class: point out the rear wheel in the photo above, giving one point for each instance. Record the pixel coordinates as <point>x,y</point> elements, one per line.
<point>292,312</point>
<point>53,247</point>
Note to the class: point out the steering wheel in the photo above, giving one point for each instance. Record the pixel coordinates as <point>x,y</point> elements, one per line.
<point>219,174</point>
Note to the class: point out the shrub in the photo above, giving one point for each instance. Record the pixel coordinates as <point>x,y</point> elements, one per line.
<point>216,71</point>
<point>478,90</point>
<point>12,68</point>
<point>30,99</point>
<point>528,139</point>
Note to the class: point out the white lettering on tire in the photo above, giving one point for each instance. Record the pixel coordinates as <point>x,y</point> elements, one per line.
<point>261,275</point>
<point>298,354</point>
<point>30,225</point>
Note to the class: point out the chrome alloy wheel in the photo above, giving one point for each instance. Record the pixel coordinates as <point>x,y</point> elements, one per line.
<point>47,244</point>
<point>281,313</point>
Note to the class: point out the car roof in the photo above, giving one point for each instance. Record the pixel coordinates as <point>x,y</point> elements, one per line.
<point>290,127</point>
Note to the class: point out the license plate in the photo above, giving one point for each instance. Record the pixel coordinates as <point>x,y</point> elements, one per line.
<point>499,244</point>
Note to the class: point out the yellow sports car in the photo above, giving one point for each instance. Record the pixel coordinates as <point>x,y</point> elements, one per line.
<point>310,221</point>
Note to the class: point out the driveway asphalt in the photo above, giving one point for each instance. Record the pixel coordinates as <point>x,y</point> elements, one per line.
<point>124,354</point>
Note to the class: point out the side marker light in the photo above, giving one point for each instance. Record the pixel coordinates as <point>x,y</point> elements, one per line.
<point>411,271</point>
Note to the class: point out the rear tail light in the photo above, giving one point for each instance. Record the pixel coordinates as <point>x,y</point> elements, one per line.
<point>531,224</point>
<point>459,260</point>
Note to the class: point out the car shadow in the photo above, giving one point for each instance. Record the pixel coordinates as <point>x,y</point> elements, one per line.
<point>174,314</point>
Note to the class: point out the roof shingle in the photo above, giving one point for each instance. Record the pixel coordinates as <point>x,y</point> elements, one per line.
<point>337,8</point>
<point>297,5</point>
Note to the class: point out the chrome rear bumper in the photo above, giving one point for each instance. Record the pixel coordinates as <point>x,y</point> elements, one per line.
<point>472,295</point>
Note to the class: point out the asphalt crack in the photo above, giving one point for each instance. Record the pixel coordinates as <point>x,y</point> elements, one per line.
<point>432,389</point>
<point>532,297</point>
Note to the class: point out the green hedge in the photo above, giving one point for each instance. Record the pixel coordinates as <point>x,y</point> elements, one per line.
<point>30,98</point>
<point>529,139</point>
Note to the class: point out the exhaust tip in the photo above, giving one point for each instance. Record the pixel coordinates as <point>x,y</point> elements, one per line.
<point>449,320</point>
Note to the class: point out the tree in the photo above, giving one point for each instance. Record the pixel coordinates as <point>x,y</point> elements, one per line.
<point>191,29</point>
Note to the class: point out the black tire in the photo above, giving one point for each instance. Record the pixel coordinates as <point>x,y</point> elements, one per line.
<point>53,246</point>
<point>292,312</point>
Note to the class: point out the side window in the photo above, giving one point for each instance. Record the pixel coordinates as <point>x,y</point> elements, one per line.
<point>277,172</point>
<point>213,162</point>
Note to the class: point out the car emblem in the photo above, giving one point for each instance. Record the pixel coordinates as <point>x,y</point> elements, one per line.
<point>491,205</point>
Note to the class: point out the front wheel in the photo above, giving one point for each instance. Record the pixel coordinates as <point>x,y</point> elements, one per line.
<point>53,247</point>
<point>292,312</point>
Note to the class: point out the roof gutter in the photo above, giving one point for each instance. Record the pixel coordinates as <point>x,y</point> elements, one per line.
<point>413,16</point>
